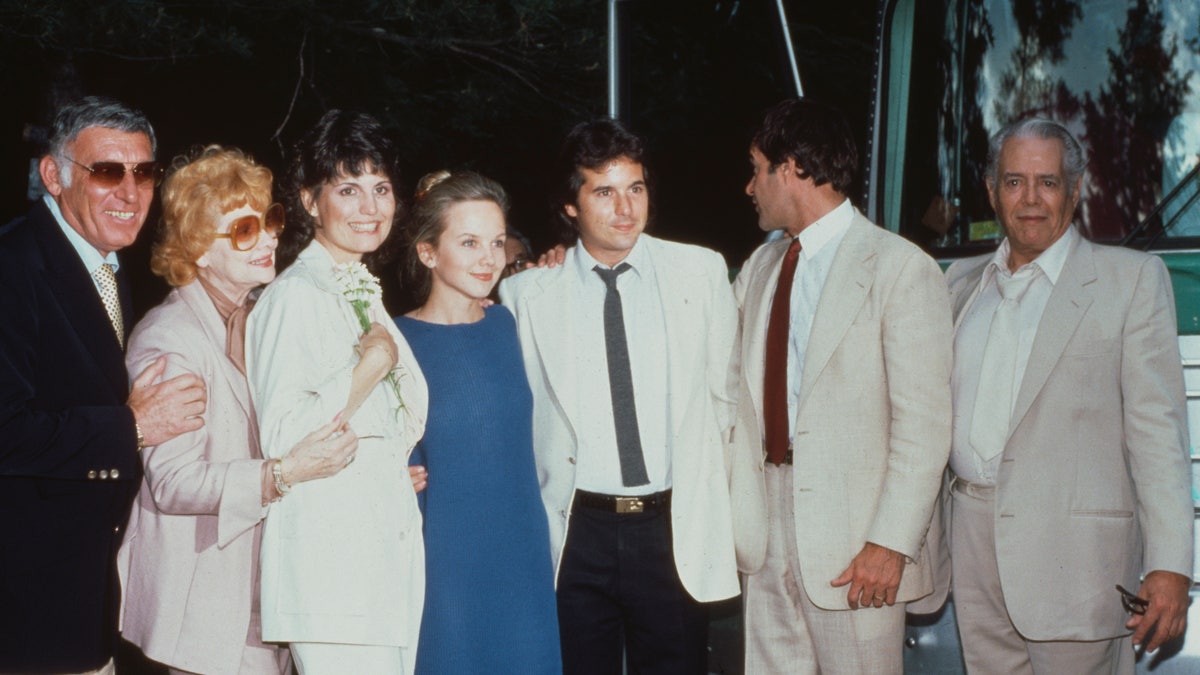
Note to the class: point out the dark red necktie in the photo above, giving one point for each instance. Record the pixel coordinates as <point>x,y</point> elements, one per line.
<point>775,398</point>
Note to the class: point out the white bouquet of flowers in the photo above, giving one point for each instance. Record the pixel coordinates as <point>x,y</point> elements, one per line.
<point>360,288</point>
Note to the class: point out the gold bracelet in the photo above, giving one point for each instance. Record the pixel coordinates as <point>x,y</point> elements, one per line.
<point>280,485</point>
<point>141,440</point>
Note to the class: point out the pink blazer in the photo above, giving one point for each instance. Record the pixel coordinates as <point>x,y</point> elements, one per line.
<point>189,561</point>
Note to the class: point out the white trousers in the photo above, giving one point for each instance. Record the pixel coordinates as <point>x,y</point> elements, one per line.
<point>319,658</point>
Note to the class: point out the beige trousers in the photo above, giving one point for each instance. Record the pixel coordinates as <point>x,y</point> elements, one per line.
<point>786,632</point>
<point>991,644</point>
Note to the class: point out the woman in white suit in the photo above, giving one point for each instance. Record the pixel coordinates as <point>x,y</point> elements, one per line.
<point>342,559</point>
<point>190,559</point>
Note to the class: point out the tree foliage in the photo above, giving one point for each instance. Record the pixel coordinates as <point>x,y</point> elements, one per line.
<point>490,85</point>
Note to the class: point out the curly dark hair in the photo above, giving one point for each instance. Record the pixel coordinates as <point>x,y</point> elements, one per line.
<point>339,143</point>
<point>814,134</point>
<point>592,145</point>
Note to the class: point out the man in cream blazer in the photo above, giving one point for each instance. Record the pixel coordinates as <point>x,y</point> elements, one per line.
<point>1090,485</point>
<point>635,559</point>
<point>830,538</point>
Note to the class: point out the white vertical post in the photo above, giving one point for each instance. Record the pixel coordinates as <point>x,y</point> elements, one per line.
<point>787,41</point>
<point>614,64</point>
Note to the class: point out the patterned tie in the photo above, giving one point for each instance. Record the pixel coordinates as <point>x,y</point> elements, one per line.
<point>620,382</point>
<point>775,399</point>
<point>106,279</point>
<point>998,372</point>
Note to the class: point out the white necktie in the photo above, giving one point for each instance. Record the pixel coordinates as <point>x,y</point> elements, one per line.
<point>998,372</point>
<point>106,279</point>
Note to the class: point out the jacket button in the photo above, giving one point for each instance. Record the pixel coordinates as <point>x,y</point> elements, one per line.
<point>114,474</point>
<point>92,474</point>
<point>103,474</point>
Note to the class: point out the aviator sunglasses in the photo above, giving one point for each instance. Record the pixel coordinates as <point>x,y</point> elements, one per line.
<point>243,233</point>
<point>111,174</point>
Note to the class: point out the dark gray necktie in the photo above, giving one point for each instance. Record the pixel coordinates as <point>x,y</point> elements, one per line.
<point>620,382</point>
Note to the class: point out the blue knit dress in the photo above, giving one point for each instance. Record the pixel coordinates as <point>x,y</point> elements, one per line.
<point>489,590</point>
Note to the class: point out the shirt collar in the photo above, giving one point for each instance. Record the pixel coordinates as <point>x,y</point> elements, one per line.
<point>87,253</point>
<point>1050,262</point>
<point>827,228</point>
<point>637,259</point>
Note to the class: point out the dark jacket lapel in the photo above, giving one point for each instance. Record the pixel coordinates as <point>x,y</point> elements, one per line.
<point>71,287</point>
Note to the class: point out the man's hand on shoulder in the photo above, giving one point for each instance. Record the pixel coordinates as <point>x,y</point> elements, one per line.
<point>552,258</point>
<point>874,577</point>
<point>1166,615</point>
<point>164,410</point>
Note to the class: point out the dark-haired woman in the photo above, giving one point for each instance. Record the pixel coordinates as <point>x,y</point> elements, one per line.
<point>489,603</point>
<point>343,574</point>
<point>189,564</point>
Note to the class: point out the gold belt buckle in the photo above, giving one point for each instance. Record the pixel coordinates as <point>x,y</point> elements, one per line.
<point>629,505</point>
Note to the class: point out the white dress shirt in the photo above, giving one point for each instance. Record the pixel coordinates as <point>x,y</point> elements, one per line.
<point>819,243</point>
<point>599,468</point>
<point>971,338</point>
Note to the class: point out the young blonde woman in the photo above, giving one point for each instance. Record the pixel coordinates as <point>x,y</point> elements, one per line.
<point>489,603</point>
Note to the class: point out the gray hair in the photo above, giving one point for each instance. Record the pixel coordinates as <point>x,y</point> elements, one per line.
<point>94,111</point>
<point>1073,161</point>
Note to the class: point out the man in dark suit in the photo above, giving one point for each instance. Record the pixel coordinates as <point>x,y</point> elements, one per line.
<point>71,428</point>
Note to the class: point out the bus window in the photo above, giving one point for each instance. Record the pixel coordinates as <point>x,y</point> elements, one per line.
<point>1121,74</point>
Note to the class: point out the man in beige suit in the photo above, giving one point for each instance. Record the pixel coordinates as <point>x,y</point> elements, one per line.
<point>843,421</point>
<point>1086,484</point>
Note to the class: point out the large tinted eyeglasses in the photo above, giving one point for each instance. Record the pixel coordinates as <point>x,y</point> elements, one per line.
<point>110,174</point>
<point>244,232</point>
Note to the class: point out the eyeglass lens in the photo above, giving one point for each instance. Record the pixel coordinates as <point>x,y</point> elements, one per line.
<point>244,231</point>
<point>110,174</point>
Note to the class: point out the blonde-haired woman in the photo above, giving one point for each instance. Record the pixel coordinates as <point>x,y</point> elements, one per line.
<point>189,562</point>
<point>487,541</point>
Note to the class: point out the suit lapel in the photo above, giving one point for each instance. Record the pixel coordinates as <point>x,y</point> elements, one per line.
<point>678,289</point>
<point>1068,303</point>
<point>850,277</point>
<point>759,295</point>
<point>72,288</point>
<point>552,318</point>
<point>964,293</point>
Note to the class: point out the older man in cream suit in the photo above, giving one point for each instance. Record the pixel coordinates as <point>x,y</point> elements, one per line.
<point>842,428</point>
<point>1086,484</point>
<point>641,535</point>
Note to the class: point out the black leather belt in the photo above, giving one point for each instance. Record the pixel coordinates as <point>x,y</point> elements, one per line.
<point>619,504</point>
